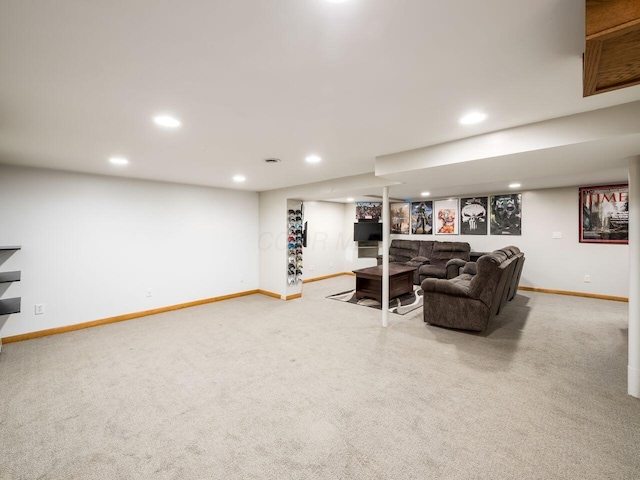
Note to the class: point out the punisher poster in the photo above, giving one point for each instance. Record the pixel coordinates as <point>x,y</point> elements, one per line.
<point>473,215</point>
<point>604,216</point>
<point>421,218</point>
<point>506,214</point>
<point>400,218</point>
<point>446,217</point>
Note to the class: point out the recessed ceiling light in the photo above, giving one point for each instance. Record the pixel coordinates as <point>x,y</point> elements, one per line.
<point>313,159</point>
<point>515,185</point>
<point>425,194</point>
<point>473,117</point>
<point>166,121</point>
<point>119,161</point>
<point>336,1</point>
<point>239,178</point>
<point>350,199</point>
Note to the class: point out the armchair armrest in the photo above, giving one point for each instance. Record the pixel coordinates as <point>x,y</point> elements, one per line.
<point>429,285</point>
<point>453,267</point>
<point>471,268</point>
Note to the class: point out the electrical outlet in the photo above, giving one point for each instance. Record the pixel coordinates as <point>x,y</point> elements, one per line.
<point>330,264</point>
<point>557,234</point>
<point>241,278</point>
<point>149,292</point>
<point>39,308</point>
<point>312,268</point>
<point>587,279</point>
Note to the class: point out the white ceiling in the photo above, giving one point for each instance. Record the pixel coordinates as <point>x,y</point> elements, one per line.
<point>251,79</point>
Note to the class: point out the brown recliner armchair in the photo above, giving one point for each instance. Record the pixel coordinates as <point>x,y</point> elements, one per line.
<point>445,260</point>
<point>471,299</point>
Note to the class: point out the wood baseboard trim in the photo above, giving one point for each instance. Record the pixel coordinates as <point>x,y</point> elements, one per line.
<point>324,277</point>
<point>121,318</point>
<point>575,294</point>
<point>270,294</point>
<point>294,296</point>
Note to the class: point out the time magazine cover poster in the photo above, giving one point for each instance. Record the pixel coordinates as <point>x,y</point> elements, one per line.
<point>604,215</point>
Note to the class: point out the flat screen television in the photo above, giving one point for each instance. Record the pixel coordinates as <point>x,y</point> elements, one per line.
<point>367,232</point>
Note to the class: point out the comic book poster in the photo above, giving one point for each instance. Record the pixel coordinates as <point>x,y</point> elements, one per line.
<point>604,214</point>
<point>422,218</point>
<point>446,217</point>
<point>400,218</point>
<point>368,210</point>
<point>506,214</point>
<point>473,215</point>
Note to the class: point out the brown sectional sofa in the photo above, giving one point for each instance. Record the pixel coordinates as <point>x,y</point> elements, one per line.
<point>471,299</point>
<point>433,258</point>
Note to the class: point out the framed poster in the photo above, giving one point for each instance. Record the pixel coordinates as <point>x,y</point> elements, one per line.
<point>473,215</point>
<point>400,218</point>
<point>422,218</point>
<point>368,210</point>
<point>604,214</point>
<point>506,214</point>
<point>446,217</point>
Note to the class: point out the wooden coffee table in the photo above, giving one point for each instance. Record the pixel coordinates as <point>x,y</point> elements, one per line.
<point>369,281</point>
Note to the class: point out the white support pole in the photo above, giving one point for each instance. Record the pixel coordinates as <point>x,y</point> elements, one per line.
<point>633,369</point>
<point>385,256</point>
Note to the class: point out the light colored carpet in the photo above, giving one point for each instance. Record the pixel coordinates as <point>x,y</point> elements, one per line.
<point>258,388</point>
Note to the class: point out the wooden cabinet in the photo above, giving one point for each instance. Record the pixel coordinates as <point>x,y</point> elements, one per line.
<point>612,53</point>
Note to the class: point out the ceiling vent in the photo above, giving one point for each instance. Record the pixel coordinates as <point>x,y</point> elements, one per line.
<point>272,160</point>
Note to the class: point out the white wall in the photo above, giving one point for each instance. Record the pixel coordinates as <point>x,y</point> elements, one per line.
<point>273,242</point>
<point>93,245</point>
<point>326,241</point>
<point>558,264</point>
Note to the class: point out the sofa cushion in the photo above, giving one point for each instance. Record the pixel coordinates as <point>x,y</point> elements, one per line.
<point>435,271</point>
<point>457,289</point>
<point>461,283</point>
<point>403,250</point>
<point>425,248</point>
<point>409,245</point>
<point>445,251</point>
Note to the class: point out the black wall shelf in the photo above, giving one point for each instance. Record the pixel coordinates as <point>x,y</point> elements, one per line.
<point>9,306</point>
<point>8,277</point>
